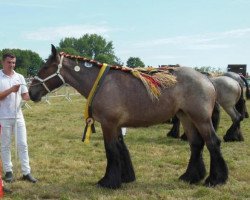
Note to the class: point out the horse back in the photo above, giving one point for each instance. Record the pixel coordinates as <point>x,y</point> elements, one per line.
<point>124,99</point>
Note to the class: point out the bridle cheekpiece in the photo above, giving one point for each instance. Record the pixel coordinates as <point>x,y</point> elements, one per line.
<point>57,73</point>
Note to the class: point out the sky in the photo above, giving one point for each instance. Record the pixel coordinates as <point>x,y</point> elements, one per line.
<point>191,33</point>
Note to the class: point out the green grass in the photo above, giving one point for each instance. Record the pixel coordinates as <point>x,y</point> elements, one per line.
<point>69,169</point>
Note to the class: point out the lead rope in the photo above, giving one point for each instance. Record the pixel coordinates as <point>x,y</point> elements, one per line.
<point>89,127</point>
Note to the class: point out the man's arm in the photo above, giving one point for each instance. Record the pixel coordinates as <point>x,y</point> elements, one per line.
<point>26,96</point>
<point>5,93</point>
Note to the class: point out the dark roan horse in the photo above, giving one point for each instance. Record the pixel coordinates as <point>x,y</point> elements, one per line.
<point>123,101</point>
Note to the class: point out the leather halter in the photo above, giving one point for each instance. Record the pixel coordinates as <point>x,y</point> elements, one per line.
<point>57,73</point>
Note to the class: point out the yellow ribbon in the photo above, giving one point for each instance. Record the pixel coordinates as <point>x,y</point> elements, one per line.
<point>89,120</point>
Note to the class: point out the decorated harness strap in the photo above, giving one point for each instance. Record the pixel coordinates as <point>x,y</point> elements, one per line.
<point>89,127</point>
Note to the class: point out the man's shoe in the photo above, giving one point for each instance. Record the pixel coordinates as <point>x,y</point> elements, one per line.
<point>29,178</point>
<point>8,177</point>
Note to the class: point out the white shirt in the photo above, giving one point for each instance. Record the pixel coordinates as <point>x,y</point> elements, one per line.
<point>10,105</point>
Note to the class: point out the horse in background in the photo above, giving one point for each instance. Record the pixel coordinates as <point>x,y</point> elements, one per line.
<point>241,80</point>
<point>230,97</point>
<point>123,100</point>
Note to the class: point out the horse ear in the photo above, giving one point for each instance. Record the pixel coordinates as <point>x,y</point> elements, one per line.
<point>53,50</point>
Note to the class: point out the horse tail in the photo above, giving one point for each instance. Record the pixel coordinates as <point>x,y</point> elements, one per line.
<point>216,116</point>
<point>247,87</point>
<point>241,105</point>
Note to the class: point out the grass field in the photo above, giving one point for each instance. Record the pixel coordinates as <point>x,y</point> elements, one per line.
<point>69,169</point>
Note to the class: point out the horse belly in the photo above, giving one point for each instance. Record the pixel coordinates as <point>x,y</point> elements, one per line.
<point>156,112</point>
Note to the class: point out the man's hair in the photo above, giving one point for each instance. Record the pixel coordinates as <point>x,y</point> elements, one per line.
<point>8,55</point>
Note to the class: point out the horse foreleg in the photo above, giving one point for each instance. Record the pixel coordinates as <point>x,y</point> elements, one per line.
<point>196,169</point>
<point>112,178</point>
<point>127,170</point>
<point>175,130</point>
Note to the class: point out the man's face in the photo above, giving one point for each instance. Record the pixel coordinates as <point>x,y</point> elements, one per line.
<point>9,63</point>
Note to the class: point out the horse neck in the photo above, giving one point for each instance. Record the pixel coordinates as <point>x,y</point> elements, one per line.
<point>83,80</point>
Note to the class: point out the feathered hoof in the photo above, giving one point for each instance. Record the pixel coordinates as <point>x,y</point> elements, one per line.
<point>212,182</point>
<point>104,183</point>
<point>172,134</point>
<point>190,179</point>
<point>238,138</point>
<point>128,179</point>
<point>184,137</point>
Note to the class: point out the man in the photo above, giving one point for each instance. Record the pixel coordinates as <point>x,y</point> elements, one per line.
<point>12,90</point>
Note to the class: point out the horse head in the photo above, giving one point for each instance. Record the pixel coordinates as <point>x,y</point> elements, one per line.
<point>48,78</point>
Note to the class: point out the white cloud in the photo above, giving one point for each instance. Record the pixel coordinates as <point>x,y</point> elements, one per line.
<point>207,46</point>
<point>236,33</point>
<point>165,57</point>
<point>204,41</point>
<point>54,33</point>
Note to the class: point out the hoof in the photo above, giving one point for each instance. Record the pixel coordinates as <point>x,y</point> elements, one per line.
<point>209,182</point>
<point>172,134</point>
<point>127,179</point>
<point>184,137</point>
<point>104,183</point>
<point>238,138</point>
<point>190,179</point>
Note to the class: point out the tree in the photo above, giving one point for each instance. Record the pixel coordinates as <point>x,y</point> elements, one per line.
<point>135,62</point>
<point>27,61</point>
<point>208,69</point>
<point>91,46</point>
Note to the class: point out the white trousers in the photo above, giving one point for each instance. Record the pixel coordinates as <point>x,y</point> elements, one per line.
<point>8,128</point>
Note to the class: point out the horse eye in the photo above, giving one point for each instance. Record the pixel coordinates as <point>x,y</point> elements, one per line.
<point>88,65</point>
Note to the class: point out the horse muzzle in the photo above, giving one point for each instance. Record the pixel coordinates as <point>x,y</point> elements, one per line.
<point>35,96</point>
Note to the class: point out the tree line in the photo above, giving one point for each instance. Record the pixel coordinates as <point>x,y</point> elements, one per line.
<point>91,46</point>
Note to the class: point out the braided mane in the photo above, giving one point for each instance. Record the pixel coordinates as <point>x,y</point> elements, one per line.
<point>154,79</point>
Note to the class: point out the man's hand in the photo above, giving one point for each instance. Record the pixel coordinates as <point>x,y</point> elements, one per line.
<point>15,88</point>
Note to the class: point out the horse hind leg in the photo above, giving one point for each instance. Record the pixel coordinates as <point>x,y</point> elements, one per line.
<point>234,132</point>
<point>196,169</point>
<point>241,106</point>
<point>218,168</point>
<point>215,120</point>
<point>216,116</point>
